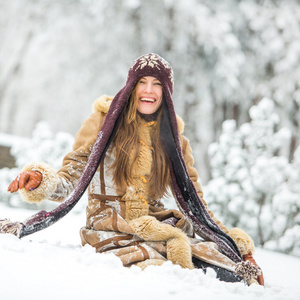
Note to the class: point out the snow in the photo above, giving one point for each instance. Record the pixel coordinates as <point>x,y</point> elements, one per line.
<point>222,68</point>
<point>254,186</point>
<point>226,55</point>
<point>8,140</point>
<point>52,264</point>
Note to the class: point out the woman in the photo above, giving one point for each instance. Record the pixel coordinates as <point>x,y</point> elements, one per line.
<point>142,152</point>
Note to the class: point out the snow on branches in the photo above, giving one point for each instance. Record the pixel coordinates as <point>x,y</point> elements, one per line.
<point>44,146</point>
<point>253,184</point>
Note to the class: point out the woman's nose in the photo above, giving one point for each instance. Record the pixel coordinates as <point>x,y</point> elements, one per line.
<point>148,88</point>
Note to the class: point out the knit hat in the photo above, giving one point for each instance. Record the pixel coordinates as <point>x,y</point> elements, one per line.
<point>186,195</point>
<point>151,65</point>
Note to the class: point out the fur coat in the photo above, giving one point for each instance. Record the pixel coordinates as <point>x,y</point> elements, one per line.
<point>123,220</point>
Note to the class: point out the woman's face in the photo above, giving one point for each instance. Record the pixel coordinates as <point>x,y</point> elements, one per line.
<point>149,95</point>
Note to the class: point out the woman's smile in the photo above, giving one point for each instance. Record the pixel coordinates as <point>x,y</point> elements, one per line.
<point>148,100</point>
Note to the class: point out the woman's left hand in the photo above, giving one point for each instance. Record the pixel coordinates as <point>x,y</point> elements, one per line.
<point>249,257</point>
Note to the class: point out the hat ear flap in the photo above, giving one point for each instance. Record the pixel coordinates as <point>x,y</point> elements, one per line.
<point>186,195</point>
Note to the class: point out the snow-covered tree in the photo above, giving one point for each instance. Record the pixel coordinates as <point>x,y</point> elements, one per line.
<point>44,146</point>
<point>227,55</point>
<point>287,203</point>
<point>253,184</point>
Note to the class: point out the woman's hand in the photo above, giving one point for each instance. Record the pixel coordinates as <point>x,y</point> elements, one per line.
<point>249,257</point>
<point>29,180</point>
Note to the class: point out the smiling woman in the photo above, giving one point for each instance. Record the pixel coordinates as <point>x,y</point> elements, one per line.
<point>148,94</point>
<point>130,152</point>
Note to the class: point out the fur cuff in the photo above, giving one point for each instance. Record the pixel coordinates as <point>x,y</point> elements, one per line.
<point>243,241</point>
<point>46,188</point>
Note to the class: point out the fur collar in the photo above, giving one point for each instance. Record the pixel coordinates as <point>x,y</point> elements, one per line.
<point>102,104</point>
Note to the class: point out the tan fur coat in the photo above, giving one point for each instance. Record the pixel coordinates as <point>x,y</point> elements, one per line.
<point>124,220</point>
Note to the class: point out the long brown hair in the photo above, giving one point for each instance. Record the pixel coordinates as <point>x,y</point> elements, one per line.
<point>127,140</point>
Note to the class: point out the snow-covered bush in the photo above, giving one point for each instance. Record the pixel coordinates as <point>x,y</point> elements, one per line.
<point>253,184</point>
<point>44,146</point>
<point>226,55</point>
<point>287,203</point>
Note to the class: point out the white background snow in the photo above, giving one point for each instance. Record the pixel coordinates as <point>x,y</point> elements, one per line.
<point>52,264</point>
<point>58,56</point>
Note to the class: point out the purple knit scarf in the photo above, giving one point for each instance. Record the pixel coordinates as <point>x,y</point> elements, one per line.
<point>186,196</point>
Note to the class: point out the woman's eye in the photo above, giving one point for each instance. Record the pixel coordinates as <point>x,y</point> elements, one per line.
<point>141,81</point>
<point>157,83</point>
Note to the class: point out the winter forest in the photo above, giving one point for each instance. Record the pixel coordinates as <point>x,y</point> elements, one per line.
<point>237,86</point>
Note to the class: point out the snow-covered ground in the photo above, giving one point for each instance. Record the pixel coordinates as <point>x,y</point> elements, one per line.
<point>52,264</point>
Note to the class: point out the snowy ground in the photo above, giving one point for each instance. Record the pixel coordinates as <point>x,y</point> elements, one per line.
<point>52,264</point>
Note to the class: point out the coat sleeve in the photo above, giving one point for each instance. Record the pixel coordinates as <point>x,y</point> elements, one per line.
<point>240,237</point>
<point>56,186</point>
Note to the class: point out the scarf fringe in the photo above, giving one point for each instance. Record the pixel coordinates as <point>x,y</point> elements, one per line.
<point>248,271</point>
<point>7,226</point>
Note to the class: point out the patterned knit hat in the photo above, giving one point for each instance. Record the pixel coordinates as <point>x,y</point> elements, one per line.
<point>151,65</point>
<point>186,195</point>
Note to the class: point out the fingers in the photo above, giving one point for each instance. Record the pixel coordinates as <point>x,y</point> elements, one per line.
<point>34,181</point>
<point>29,180</point>
<point>31,184</point>
<point>24,178</point>
<point>10,187</point>
<point>261,280</point>
<point>14,186</point>
<point>249,257</point>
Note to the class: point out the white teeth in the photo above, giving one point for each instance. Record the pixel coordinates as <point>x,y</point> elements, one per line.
<point>147,99</point>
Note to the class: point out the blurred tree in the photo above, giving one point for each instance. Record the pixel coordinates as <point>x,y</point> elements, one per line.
<point>254,185</point>
<point>227,55</point>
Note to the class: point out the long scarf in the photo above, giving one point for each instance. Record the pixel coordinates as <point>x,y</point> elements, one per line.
<point>186,196</point>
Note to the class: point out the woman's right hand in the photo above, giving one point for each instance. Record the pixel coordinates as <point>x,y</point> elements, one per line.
<point>29,180</point>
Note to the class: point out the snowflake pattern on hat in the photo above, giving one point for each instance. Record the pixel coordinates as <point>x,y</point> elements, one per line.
<point>154,61</point>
